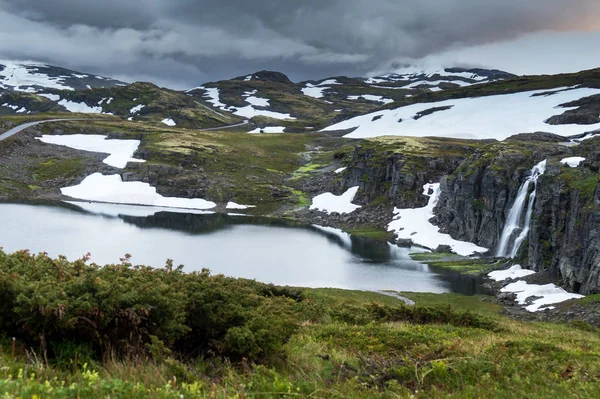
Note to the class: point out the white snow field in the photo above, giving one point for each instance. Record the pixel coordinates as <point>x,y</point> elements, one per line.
<point>316,91</point>
<point>212,96</point>
<point>329,203</point>
<point>414,224</point>
<point>121,151</point>
<point>514,272</point>
<point>573,162</point>
<point>17,76</point>
<point>491,117</point>
<point>72,106</point>
<point>548,294</point>
<point>371,97</point>
<point>83,108</point>
<point>233,205</point>
<point>340,170</point>
<point>169,122</point>
<point>269,129</point>
<point>112,189</point>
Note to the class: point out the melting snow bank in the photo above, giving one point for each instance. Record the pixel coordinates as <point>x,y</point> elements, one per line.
<point>515,272</point>
<point>490,117</point>
<point>233,205</point>
<point>544,295</point>
<point>113,189</point>
<point>330,203</point>
<point>169,122</point>
<point>414,224</point>
<point>370,97</point>
<point>121,151</point>
<point>212,96</point>
<point>573,161</point>
<point>269,129</point>
<point>340,170</point>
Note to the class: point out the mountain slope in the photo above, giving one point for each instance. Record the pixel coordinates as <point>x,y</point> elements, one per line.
<point>34,77</point>
<point>562,104</point>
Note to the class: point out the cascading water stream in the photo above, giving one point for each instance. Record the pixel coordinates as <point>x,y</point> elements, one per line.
<point>516,229</point>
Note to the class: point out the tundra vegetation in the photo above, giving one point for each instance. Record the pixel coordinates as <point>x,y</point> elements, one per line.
<point>75,329</point>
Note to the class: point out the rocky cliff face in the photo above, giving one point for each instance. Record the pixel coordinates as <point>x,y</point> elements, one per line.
<point>398,174</point>
<point>565,234</point>
<point>565,230</point>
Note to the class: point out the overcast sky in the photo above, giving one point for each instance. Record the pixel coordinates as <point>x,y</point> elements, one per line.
<point>182,43</point>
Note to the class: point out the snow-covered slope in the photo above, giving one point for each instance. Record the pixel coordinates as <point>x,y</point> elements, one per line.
<point>35,77</point>
<point>489,117</point>
<point>436,79</point>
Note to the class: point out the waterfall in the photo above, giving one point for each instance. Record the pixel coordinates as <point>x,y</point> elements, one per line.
<point>516,229</point>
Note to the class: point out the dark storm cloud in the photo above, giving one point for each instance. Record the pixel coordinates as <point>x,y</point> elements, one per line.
<point>185,42</point>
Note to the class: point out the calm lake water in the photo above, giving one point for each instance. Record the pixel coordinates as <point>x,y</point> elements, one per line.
<point>267,250</point>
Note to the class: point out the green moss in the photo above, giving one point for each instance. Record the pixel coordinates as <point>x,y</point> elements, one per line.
<point>302,199</point>
<point>456,263</point>
<point>306,170</point>
<point>369,232</point>
<point>56,168</point>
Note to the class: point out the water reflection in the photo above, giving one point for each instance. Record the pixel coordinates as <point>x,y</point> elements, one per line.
<point>270,250</point>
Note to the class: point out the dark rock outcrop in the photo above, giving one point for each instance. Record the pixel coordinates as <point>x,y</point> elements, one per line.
<point>564,240</point>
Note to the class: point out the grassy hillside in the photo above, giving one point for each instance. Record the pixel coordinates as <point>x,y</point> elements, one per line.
<point>124,331</point>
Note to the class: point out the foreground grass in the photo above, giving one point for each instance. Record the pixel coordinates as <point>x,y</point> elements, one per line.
<point>333,358</point>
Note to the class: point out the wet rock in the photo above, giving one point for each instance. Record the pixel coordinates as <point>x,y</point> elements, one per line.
<point>404,242</point>
<point>443,249</point>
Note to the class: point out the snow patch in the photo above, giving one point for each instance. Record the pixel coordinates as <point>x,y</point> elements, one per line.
<point>370,97</point>
<point>330,203</point>
<point>257,101</point>
<point>51,97</point>
<point>83,108</point>
<point>169,122</point>
<point>515,272</point>
<point>136,109</point>
<point>414,224</point>
<point>233,205</point>
<point>212,96</point>
<point>316,91</point>
<point>112,189</point>
<point>548,294</point>
<point>340,170</point>
<point>121,151</point>
<point>269,129</point>
<point>573,161</point>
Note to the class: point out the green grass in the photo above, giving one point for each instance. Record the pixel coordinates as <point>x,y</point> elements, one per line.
<point>456,263</point>
<point>434,256</point>
<point>337,343</point>
<point>54,168</point>
<point>333,359</point>
<point>372,233</point>
<point>306,170</point>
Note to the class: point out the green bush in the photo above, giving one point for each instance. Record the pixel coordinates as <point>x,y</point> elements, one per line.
<point>71,309</point>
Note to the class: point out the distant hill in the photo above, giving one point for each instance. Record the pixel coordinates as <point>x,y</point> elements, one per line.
<point>409,101</point>
<point>35,77</point>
